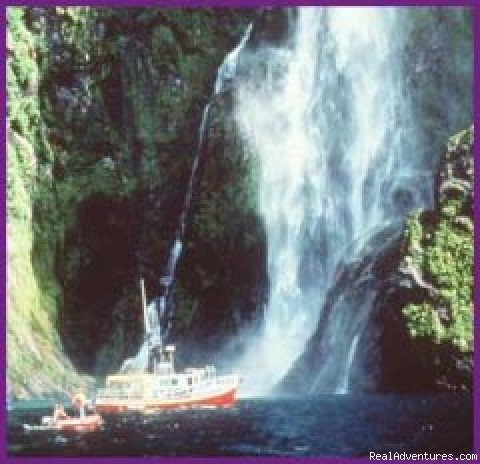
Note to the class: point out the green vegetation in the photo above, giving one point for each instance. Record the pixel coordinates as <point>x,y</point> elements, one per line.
<point>441,251</point>
<point>34,355</point>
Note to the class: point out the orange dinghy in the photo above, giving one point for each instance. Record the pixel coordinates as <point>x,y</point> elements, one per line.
<point>79,424</point>
<point>165,389</point>
<point>88,423</point>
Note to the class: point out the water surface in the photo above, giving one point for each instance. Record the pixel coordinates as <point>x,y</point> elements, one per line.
<point>333,425</point>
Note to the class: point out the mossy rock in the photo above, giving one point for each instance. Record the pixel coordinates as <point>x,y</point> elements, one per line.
<point>438,247</point>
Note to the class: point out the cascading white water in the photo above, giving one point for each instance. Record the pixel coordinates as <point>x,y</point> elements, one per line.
<point>156,330</point>
<point>331,125</point>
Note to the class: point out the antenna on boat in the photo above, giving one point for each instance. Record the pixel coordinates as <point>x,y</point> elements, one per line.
<point>144,306</point>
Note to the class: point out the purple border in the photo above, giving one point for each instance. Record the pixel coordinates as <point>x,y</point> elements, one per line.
<point>476,99</point>
<point>3,248</point>
<point>474,4</point>
<point>244,3</point>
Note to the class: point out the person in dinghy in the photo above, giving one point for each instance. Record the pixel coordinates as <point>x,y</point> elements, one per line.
<point>82,421</point>
<point>81,405</point>
<point>59,413</point>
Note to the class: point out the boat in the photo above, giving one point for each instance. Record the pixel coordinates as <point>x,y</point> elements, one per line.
<point>87,423</point>
<point>60,420</point>
<point>158,387</point>
<point>165,389</point>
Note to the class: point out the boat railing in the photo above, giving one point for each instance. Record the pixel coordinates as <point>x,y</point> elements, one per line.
<point>227,379</point>
<point>119,393</point>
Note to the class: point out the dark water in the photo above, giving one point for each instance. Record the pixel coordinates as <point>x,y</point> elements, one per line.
<point>319,426</point>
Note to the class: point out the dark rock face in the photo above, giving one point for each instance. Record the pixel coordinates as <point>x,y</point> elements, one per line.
<point>98,271</point>
<point>272,26</point>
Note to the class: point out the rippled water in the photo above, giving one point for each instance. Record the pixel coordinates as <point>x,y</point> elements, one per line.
<point>342,425</point>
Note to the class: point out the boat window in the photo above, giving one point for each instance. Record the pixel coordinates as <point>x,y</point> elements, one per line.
<point>174,381</point>
<point>189,381</point>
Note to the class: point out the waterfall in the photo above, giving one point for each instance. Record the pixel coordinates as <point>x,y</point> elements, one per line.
<point>343,387</point>
<point>330,120</point>
<point>159,310</point>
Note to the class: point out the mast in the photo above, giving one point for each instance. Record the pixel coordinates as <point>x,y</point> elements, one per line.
<point>144,306</point>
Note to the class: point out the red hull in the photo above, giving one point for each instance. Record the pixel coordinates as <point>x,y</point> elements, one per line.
<point>226,399</point>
